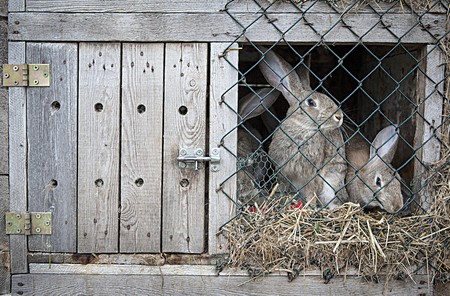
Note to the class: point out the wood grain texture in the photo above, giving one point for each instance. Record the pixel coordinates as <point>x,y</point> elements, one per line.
<point>141,161</point>
<point>98,147</point>
<point>5,276</point>
<point>430,100</point>
<point>217,27</point>
<point>210,6</point>
<point>52,145</point>
<point>71,284</point>
<point>16,5</point>
<point>184,189</point>
<point>223,76</point>
<point>3,128</point>
<point>17,158</point>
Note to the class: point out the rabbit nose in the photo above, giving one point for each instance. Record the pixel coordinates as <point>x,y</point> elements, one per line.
<point>337,117</point>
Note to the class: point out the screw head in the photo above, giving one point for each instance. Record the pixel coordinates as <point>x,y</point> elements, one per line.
<point>183,152</point>
<point>214,168</point>
<point>215,151</point>
<point>199,152</point>
<point>182,165</point>
<point>16,68</point>
<point>36,82</point>
<point>6,75</point>
<point>38,230</point>
<point>38,216</point>
<point>36,67</point>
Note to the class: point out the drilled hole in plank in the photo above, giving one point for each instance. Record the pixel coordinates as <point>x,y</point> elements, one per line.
<point>183,110</point>
<point>98,107</point>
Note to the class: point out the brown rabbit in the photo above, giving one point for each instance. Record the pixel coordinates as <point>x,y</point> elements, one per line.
<point>372,181</point>
<point>308,148</point>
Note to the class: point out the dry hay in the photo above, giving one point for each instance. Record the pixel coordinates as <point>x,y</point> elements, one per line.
<point>293,239</point>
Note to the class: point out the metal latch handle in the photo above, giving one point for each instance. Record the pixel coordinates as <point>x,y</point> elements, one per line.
<point>194,159</point>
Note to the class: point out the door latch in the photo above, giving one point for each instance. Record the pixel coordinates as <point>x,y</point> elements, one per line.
<point>195,159</point>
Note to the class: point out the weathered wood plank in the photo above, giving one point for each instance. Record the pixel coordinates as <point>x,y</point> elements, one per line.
<point>192,268</point>
<point>16,5</point>
<point>223,88</point>
<point>209,6</point>
<point>3,125</point>
<point>217,27</point>
<point>5,276</point>
<point>124,258</point>
<point>141,161</point>
<point>161,284</point>
<point>17,158</point>
<point>52,145</point>
<point>98,147</point>
<point>184,127</point>
<point>430,97</point>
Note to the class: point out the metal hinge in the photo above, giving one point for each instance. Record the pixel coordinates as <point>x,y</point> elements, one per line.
<point>29,223</point>
<point>26,75</point>
<point>194,159</point>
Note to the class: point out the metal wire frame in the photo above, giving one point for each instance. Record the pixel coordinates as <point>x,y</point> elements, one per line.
<point>417,69</point>
<point>303,14</point>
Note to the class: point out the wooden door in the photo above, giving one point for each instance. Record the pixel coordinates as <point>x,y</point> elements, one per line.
<point>104,138</point>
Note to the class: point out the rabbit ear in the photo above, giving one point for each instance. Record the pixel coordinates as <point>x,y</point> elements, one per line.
<point>255,104</point>
<point>386,142</point>
<point>280,75</point>
<point>303,72</point>
<point>270,120</point>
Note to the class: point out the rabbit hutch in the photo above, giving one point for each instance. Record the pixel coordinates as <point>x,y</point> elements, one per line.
<point>146,147</point>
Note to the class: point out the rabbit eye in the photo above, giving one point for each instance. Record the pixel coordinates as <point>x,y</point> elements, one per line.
<point>311,103</point>
<point>378,181</point>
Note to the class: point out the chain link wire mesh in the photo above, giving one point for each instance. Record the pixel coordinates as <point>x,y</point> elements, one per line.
<point>325,123</point>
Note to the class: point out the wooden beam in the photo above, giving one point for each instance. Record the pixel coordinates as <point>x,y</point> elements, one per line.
<point>223,120</point>
<point>430,96</point>
<point>218,27</point>
<point>17,158</point>
<point>162,284</point>
<point>208,6</point>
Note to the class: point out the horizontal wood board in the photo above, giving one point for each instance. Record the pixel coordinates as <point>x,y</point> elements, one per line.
<point>166,284</point>
<point>208,6</point>
<point>217,27</point>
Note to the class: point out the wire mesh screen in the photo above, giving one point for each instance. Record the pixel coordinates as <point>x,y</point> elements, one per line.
<point>334,133</point>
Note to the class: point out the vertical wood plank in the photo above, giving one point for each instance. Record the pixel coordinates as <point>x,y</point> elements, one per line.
<point>5,275</point>
<point>184,189</point>
<point>17,158</point>
<point>430,100</point>
<point>222,121</point>
<point>52,145</point>
<point>16,5</point>
<point>141,159</point>
<point>98,147</point>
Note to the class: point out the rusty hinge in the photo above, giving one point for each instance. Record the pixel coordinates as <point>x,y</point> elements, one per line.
<point>29,223</point>
<point>26,75</point>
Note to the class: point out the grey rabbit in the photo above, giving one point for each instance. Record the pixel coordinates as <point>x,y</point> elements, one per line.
<point>253,162</point>
<point>308,147</point>
<point>372,181</point>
